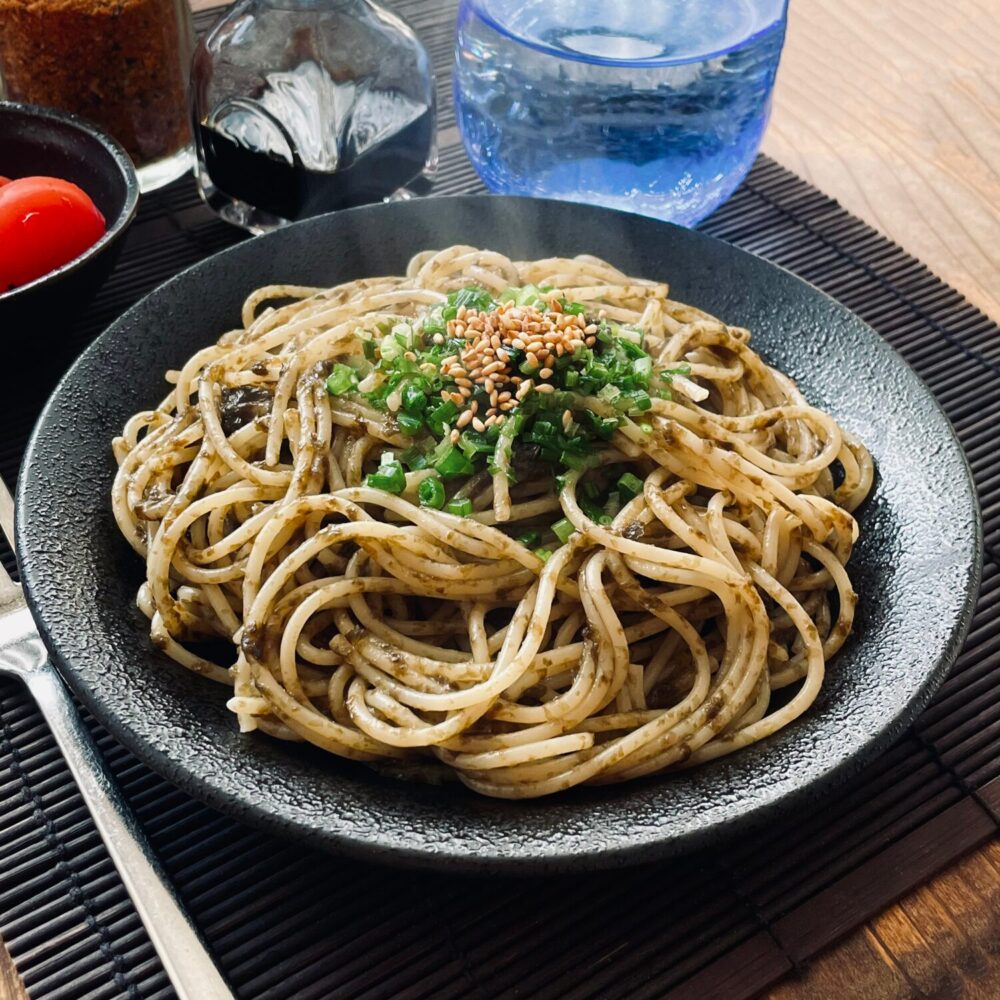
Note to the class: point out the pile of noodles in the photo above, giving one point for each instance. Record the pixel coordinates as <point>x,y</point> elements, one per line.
<point>381,630</point>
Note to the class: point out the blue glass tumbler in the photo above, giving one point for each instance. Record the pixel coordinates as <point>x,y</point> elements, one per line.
<point>657,108</point>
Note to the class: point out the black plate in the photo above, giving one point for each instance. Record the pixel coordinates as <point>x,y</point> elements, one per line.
<point>916,565</point>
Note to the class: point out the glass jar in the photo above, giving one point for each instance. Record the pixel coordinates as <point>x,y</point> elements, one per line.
<point>652,108</point>
<point>122,64</point>
<point>306,106</point>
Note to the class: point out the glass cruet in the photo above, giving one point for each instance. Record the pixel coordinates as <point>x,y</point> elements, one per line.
<point>301,107</point>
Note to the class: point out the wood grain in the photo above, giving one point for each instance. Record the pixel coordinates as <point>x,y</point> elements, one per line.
<point>894,110</point>
<point>11,987</point>
<point>941,940</point>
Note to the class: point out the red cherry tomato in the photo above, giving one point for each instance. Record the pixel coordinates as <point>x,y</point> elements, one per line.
<point>44,223</point>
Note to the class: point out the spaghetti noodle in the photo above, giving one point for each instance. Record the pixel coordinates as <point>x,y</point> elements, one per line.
<point>531,523</point>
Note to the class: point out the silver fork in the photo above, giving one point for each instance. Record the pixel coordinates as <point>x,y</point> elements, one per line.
<point>22,654</point>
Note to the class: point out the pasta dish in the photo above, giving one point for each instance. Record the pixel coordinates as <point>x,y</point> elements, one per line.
<point>526,523</point>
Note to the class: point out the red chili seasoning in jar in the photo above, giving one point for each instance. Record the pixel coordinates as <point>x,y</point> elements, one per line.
<point>122,64</point>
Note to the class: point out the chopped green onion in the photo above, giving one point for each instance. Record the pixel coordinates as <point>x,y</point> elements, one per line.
<point>403,334</point>
<point>580,462</point>
<point>430,493</point>
<point>414,458</point>
<point>414,398</point>
<point>573,308</point>
<point>629,487</point>
<point>544,554</point>
<point>473,443</point>
<point>472,297</point>
<point>389,348</point>
<point>442,414</point>
<point>409,425</point>
<point>591,509</point>
<point>434,322</point>
<point>460,507</point>
<point>563,529</point>
<point>639,399</point>
<point>390,477</point>
<point>530,538</point>
<point>608,393</point>
<point>454,463</point>
<point>631,349</point>
<point>342,379</point>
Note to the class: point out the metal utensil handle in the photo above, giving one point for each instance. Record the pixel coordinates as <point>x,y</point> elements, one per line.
<point>185,959</point>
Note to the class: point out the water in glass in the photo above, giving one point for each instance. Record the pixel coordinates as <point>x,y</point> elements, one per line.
<point>656,108</point>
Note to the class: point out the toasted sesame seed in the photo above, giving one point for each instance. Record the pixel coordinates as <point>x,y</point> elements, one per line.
<point>490,421</point>
<point>495,342</point>
<point>590,342</point>
<point>478,424</point>
<point>500,420</point>
<point>454,436</point>
<point>493,366</point>
<point>475,373</point>
<point>524,388</point>
<point>560,350</point>
<point>450,360</point>
<point>503,356</point>
<point>602,314</point>
<point>463,311</point>
<point>545,387</point>
<point>473,406</point>
<point>509,405</point>
<point>532,359</point>
<point>457,398</point>
<point>590,328</point>
<point>575,344</point>
<point>465,391</point>
<point>438,339</point>
<point>503,396</point>
<point>445,395</point>
<point>545,373</point>
<point>462,380</point>
<point>516,342</point>
<point>464,418</point>
<point>494,397</point>
<point>488,384</point>
<point>410,356</point>
<point>457,372</point>
<point>567,419</point>
<point>534,347</point>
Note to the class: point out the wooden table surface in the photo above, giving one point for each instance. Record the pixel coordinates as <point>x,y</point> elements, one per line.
<point>894,109</point>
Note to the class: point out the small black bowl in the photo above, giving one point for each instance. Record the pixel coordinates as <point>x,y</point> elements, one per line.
<point>46,142</point>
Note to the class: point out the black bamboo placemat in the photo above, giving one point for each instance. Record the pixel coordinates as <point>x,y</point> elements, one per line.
<point>287,922</point>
